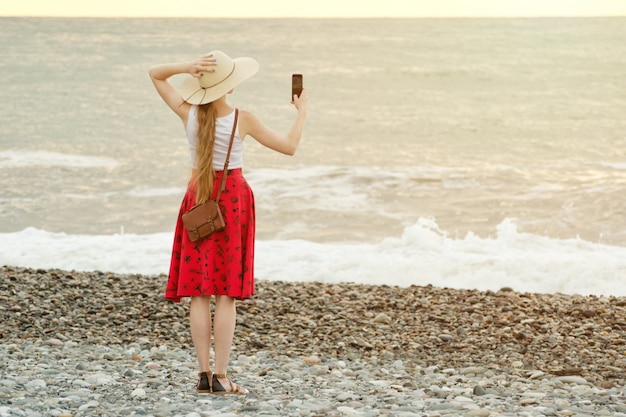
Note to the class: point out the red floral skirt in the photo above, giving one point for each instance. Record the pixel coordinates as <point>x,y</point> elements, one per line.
<point>223,263</point>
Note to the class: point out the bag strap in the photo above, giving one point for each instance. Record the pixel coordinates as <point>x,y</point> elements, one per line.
<point>230,147</point>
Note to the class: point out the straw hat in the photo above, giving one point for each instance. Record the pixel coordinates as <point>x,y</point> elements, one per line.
<point>228,74</point>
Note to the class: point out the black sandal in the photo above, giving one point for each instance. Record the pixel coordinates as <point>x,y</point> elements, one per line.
<point>218,388</point>
<point>203,386</point>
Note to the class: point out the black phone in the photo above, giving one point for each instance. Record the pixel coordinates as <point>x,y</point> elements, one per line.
<point>296,85</point>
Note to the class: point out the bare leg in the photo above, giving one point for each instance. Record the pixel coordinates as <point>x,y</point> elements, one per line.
<point>200,317</point>
<point>224,328</point>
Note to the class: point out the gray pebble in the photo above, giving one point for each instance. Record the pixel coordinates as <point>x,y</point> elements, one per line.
<point>479,390</point>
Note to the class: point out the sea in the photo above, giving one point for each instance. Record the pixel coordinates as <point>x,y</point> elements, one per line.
<point>458,153</point>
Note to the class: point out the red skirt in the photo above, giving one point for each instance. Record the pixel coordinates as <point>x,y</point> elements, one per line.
<point>223,263</point>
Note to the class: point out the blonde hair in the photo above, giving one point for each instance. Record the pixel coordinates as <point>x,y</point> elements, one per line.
<point>205,176</point>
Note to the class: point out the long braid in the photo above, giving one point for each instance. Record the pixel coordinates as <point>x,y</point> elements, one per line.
<point>207,113</point>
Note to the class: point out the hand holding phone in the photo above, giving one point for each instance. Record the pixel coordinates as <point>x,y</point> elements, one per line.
<point>296,85</point>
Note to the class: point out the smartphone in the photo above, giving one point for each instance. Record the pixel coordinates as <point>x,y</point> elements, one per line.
<point>296,85</point>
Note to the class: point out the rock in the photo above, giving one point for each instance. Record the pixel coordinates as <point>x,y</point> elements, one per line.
<point>99,379</point>
<point>572,379</point>
<point>138,393</point>
<point>311,360</point>
<point>475,370</point>
<point>54,342</point>
<point>90,404</point>
<point>382,318</point>
<point>347,411</point>
<point>36,384</point>
<point>479,412</point>
<point>80,383</point>
<point>527,401</point>
<point>568,371</point>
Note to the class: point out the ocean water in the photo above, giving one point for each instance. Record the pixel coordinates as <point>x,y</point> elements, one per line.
<point>469,153</point>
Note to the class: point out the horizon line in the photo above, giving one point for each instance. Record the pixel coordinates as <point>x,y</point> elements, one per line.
<point>316,17</point>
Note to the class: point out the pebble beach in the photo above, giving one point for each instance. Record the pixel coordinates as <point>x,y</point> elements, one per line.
<point>103,344</point>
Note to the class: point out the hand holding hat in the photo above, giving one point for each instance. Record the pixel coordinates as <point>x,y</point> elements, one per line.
<point>203,64</point>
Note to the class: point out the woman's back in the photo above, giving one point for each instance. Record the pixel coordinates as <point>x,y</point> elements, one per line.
<point>223,130</point>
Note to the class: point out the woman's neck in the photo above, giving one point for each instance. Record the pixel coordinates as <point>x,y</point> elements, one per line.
<point>222,107</point>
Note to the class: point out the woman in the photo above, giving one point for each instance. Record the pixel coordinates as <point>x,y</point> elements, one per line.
<point>220,265</point>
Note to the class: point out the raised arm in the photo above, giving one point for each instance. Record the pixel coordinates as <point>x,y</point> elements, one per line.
<point>252,125</point>
<point>159,74</point>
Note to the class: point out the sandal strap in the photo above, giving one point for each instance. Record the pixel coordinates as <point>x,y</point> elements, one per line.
<point>234,388</point>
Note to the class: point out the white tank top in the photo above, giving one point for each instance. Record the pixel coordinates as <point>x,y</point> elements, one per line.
<point>223,129</point>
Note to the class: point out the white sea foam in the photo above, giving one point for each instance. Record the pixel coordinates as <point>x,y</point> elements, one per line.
<point>614,165</point>
<point>343,189</point>
<point>25,158</point>
<point>422,255</point>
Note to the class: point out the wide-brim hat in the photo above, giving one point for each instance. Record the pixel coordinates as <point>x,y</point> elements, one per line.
<point>210,86</point>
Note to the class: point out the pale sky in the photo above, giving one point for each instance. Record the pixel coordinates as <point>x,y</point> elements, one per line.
<point>312,8</point>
